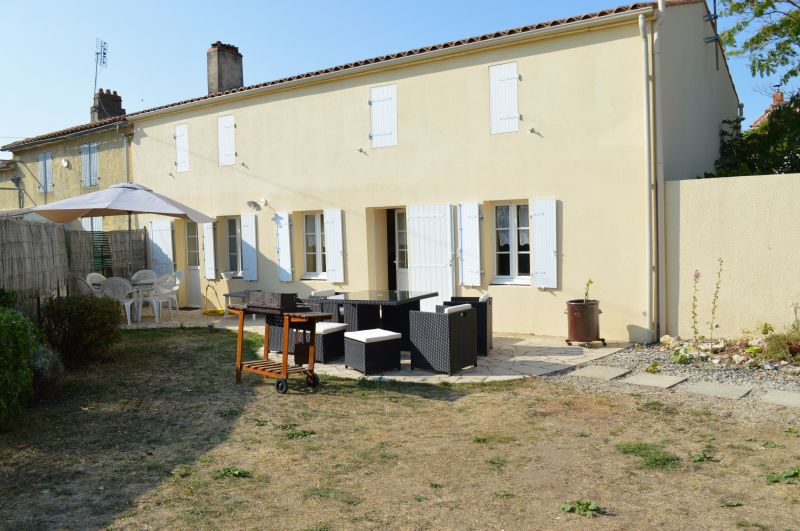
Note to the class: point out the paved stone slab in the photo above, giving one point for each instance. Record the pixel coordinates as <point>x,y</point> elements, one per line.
<point>734,392</point>
<point>600,372</point>
<point>782,398</point>
<point>662,381</point>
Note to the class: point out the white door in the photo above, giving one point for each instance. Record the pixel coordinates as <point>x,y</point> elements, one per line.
<point>161,260</point>
<point>430,252</point>
<point>192,279</point>
<point>401,249</point>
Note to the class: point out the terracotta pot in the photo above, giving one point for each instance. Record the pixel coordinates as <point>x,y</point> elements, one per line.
<point>583,321</point>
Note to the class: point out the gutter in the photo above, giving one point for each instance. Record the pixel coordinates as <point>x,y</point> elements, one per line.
<point>507,40</point>
<point>28,145</point>
<point>648,168</point>
<point>661,234</point>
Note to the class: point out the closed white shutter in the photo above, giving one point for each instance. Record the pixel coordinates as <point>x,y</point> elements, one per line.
<point>249,247</point>
<point>469,244</point>
<point>49,166</point>
<point>503,111</point>
<point>226,140</point>
<point>97,224</point>
<point>42,172</point>
<point>161,247</point>
<point>383,113</point>
<point>544,235</point>
<point>430,252</point>
<point>284,246</point>
<point>86,165</point>
<point>86,223</point>
<point>182,148</point>
<point>94,164</point>
<point>210,265</point>
<point>334,245</point>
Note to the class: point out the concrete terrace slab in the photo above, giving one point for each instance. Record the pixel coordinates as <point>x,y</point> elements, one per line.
<point>782,398</point>
<point>662,381</point>
<point>600,372</point>
<point>734,392</point>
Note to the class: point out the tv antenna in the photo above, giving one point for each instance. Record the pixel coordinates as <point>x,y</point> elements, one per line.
<point>100,59</point>
<point>712,18</point>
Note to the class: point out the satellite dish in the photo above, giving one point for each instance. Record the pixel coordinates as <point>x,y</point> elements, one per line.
<point>252,205</point>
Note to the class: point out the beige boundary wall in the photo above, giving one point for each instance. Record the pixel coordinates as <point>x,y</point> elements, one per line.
<point>752,224</point>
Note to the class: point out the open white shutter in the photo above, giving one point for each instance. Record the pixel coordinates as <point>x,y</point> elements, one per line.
<point>226,140</point>
<point>284,246</point>
<point>42,172</point>
<point>208,251</point>
<point>334,245</point>
<point>49,167</point>
<point>182,148</point>
<point>94,165</point>
<point>86,223</point>
<point>97,225</point>
<point>503,111</point>
<point>430,252</point>
<point>161,247</point>
<point>249,247</point>
<point>469,244</point>
<point>545,252</point>
<point>86,165</point>
<point>383,113</point>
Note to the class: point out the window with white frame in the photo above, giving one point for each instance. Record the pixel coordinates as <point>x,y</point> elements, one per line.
<point>233,236</point>
<point>512,249</point>
<point>314,238</point>
<point>192,245</point>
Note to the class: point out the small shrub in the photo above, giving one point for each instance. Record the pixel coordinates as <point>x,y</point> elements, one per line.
<point>232,472</point>
<point>702,456</point>
<point>8,299</point>
<point>681,356</point>
<point>46,366</point>
<point>729,503</point>
<point>299,434</point>
<point>654,367</point>
<point>652,455</point>
<point>790,476</point>
<point>498,463</point>
<point>793,431</point>
<point>80,327</point>
<point>18,338</point>
<point>583,507</point>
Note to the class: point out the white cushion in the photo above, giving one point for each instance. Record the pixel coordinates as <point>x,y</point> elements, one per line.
<point>329,328</point>
<point>456,309</point>
<point>323,293</point>
<point>484,298</point>
<point>374,335</point>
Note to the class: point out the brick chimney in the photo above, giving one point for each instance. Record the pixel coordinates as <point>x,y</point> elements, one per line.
<point>107,104</point>
<point>777,98</point>
<point>224,68</point>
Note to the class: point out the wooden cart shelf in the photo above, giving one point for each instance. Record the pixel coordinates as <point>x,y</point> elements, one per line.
<point>280,369</point>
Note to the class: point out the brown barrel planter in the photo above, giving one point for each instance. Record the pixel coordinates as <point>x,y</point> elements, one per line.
<point>583,322</point>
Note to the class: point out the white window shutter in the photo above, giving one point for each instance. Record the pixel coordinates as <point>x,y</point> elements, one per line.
<point>86,223</point>
<point>503,110</point>
<point>383,116</point>
<point>94,165</point>
<point>42,172</point>
<point>161,260</point>
<point>249,247</point>
<point>49,169</point>
<point>469,244</point>
<point>545,251</point>
<point>208,251</point>
<point>284,246</point>
<point>226,140</point>
<point>430,252</point>
<point>97,226</point>
<point>181,148</point>
<point>334,245</point>
<point>86,165</point>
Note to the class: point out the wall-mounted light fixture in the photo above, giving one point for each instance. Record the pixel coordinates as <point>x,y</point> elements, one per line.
<point>65,163</point>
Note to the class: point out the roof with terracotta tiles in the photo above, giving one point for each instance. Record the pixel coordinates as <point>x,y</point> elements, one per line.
<point>364,62</point>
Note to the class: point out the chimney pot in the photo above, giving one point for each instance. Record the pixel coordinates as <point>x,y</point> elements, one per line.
<point>224,67</point>
<point>777,98</point>
<point>106,105</point>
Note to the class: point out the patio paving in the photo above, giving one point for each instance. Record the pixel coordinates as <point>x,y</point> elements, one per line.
<point>782,398</point>
<point>718,390</point>
<point>662,381</point>
<point>513,356</point>
<point>600,372</point>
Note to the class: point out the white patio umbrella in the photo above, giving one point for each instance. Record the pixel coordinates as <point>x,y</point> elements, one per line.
<point>118,200</point>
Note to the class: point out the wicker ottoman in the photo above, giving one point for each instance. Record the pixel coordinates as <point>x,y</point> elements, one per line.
<point>329,341</point>
<point>372,351</point>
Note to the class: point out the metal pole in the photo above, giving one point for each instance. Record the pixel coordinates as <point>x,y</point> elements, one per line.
<point>130,248</point>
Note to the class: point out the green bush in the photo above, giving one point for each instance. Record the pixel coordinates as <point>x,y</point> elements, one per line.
<point>80,327</point>
<point>18,337</point>
<point>46,366</point>
<point>8,299</point>
<point>779,347</point>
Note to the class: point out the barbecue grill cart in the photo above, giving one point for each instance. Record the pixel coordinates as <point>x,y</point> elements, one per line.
<point>295,319</point>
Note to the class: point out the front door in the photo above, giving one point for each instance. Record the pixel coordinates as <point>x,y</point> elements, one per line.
<point>401,249</point>
<point>193,298</point>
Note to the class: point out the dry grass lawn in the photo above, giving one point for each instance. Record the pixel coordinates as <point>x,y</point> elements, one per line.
<point>160,436</point>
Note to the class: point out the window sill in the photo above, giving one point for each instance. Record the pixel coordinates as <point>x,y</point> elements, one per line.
<point>520,281</point>
<point>314,277</point>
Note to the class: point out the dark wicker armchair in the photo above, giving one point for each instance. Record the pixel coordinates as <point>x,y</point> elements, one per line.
<point>483,307</point>
<point>445,341</point>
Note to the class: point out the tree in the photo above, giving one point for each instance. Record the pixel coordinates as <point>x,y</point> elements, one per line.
<point>768,32</point>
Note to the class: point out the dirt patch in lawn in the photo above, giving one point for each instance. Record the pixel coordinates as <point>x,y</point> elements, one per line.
<point>161,436</point>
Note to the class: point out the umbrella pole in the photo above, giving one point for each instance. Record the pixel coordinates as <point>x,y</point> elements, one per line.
<point>130,248</point>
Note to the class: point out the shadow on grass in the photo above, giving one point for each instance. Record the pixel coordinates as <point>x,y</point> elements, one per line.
<point>119,428</point>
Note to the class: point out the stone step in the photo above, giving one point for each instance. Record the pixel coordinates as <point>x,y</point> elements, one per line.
<point>733,392</point>
<point>782,398</point>
<point>662,381</point>
<point>600,372</point>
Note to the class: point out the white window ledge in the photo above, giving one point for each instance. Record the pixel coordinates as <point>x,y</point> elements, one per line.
<point>519,281</point>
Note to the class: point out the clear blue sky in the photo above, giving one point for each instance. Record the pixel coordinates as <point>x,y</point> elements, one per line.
<point>157,49</point>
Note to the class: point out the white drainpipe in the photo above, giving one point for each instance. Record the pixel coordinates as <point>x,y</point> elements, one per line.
<point>661,234</point>
<point>648,167</point>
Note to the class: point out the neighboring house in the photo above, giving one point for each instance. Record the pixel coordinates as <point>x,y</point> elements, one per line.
<point>777,101</point>
<point>73,161</point>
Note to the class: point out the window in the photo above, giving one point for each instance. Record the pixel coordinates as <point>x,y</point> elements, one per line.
<point>504,115</point>
<point>402,240</point>
<point>46,172</point>
<point>512,260</point>
<point>234,238</point>
<point>90,171</point>
<point>315,246</point>
<point>192,245</point>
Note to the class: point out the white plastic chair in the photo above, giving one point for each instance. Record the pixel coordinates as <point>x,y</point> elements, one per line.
<point>78,286</point>
<point>144,276</point>
<point>95,280</point>
<point>179,276</point>
<point>166,290</point>
<point>121,290</point>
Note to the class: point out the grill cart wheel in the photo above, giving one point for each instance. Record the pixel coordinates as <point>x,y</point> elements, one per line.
<point>282,385</point>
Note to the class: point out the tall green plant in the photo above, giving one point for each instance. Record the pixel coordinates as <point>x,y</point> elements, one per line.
<point>713,325</point>
<point>696,337</point>
<point>18,338</point>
